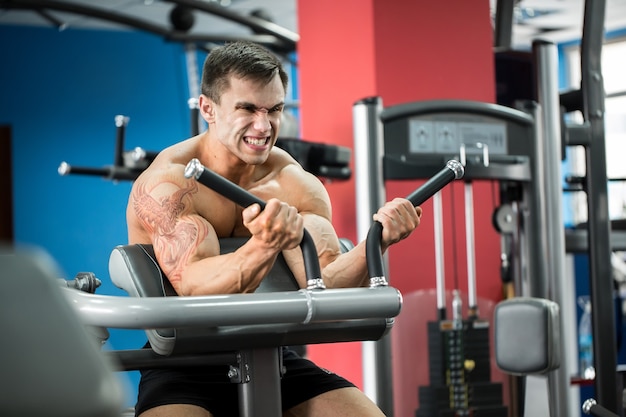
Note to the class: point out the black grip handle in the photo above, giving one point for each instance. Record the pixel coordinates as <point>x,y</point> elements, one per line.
<point>244,198</point>
<point>109,172</point>
<point>590,407</point>
<point>452,171</point>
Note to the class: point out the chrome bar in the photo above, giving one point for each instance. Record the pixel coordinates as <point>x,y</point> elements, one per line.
<point>303,306</point>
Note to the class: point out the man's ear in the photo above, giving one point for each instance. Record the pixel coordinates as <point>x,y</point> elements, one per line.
<point>207,108</point>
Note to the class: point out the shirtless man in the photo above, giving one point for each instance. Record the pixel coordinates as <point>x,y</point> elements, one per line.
<point>243,95</point>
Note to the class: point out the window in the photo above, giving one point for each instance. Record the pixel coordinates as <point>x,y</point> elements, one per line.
<point>614,74</point>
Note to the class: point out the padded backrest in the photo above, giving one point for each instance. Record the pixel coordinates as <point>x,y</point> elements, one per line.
<point>134,269</point>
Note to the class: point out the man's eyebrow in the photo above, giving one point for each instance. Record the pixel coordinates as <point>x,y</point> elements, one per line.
<point>252,106</point>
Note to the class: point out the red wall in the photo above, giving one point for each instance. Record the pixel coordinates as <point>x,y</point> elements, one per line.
<point>401,51</point>
<point>336,63</point>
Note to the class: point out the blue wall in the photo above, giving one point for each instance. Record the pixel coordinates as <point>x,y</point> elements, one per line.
<point>59,93</point>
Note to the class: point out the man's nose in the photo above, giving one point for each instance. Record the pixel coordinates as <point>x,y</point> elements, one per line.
<point>262,121</point>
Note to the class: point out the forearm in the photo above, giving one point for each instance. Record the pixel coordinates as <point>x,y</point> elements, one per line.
<point>237,272</point>
<point>349,269</point>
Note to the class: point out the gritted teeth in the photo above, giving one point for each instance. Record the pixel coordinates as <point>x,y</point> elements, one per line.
<point>256,141</point>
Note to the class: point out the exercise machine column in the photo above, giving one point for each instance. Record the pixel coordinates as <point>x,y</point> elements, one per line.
<point>562,402</point>
<point>370,195</point>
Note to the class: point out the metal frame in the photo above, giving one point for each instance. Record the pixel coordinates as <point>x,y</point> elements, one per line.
<point>269,33</point>
<point>592,107</point>
<point>369,119</point>
<point>589,99</point>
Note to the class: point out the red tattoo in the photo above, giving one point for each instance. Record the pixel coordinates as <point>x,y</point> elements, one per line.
<point>174,239</point>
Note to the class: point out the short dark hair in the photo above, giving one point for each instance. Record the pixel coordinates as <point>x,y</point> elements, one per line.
<point>242,59</point>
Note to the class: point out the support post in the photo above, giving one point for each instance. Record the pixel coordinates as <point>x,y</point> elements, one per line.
<point>545,54</point>
<point>603,315</point>
<point>370,195</point>
<point>260,394</point>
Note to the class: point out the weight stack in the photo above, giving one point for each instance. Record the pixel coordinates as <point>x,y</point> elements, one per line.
<point>460,372</point>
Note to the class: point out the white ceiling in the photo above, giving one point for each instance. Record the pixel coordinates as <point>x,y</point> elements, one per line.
<point>560,20</point>
<point>554,20</point>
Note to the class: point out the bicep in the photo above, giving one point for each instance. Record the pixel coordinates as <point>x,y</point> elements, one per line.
<point>178,234</point>
<point>191,239</point>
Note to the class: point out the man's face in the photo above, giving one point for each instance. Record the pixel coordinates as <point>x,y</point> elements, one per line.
<point>248,118</point>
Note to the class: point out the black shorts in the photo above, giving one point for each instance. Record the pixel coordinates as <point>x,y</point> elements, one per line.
<point>302,381</point>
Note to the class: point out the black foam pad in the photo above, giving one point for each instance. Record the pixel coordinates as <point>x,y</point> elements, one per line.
<point>527,335</point>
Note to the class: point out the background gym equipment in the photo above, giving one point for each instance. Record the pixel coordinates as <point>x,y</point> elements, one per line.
<point>322,160</point>
<point>592,408</point>
<point>179,25</point>
<point>127,165</point>
<point>529,174</point>
<point>50,365</point>
<point>533,71</point>
<point>407,142</point>
<point>527,337</point>
<point>245,340</point>
<point>527,334</point>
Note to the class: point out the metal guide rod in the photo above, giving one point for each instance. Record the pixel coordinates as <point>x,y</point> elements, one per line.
<point>297,307</point>
<point>439,255</point>
<point>518,242</point>
<point>469,243</point>
<point>469,232</point>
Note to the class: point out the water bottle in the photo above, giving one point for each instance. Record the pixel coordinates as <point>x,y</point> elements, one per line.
<point>585,340</point>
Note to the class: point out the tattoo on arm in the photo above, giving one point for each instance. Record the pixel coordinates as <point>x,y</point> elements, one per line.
<point>175,239</point>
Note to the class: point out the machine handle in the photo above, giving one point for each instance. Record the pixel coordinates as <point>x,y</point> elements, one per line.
<point>590,407</point>
<point>452,171</point>
<point>242,197</point>
<point>109,172</point>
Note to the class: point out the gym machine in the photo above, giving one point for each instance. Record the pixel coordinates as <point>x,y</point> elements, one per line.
<point>407,142</point>
<point>404,141</point>
<point>531,72</point>
<point>218,330</point>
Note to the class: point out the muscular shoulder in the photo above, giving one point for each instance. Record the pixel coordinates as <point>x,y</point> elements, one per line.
<point>159,196</point>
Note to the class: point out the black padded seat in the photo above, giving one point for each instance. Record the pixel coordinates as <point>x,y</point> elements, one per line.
<point>134,269</point>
